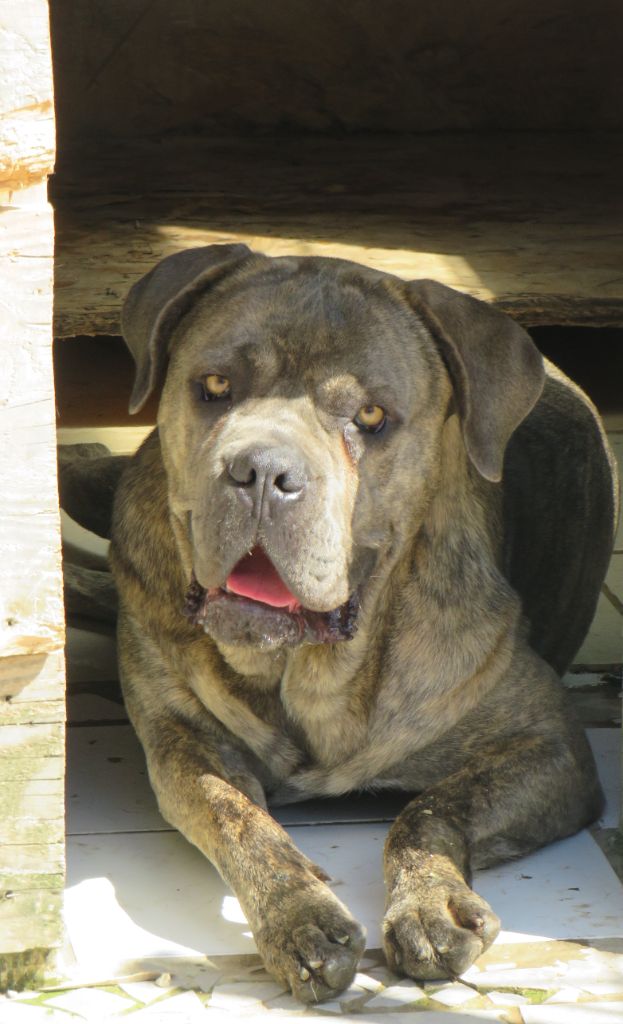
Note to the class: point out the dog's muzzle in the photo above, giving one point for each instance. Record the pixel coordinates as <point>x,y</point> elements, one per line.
<point>255,608</point>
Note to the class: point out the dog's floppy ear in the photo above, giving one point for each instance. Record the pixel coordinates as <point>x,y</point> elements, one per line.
<point>496,370</point>
<point>156,303</point>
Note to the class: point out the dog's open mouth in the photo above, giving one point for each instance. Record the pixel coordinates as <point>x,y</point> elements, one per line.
<point>255,608</point>
<point>255,577</point>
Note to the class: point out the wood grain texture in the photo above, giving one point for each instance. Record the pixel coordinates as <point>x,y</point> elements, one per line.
<point>33,913</point>
<point>26,680</point>
<point>29,863</point>
<point>31,612</point>
<point>533,224</point>
<point>26,108</point>
<point>32,769</point>
<point>31,751</point>
<point>31,609</point>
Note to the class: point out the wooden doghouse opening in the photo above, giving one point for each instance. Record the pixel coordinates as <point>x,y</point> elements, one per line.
<point>474,143</point>
<point>480,146</point>
<point>477,143</point>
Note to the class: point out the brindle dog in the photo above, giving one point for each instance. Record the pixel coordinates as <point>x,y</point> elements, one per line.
<point>319,555</point>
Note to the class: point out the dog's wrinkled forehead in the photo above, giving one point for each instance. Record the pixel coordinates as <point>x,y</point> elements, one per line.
<point>294,332</point>
<point>292,317</point>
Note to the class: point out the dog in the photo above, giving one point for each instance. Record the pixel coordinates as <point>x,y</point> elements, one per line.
<point>365,539</point>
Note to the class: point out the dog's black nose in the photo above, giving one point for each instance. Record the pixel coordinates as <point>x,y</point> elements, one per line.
<point>275,475</point>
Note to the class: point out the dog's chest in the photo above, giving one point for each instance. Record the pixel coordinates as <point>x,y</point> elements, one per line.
<point>323,702</point>
<point>308,705</point>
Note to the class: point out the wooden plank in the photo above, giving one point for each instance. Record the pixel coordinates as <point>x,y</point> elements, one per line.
<point>30,861</point>
<point>19,881</point>
<point>27,113</point>
<point>30,616</point>
<point>23,743</point>
<point>31,840</point>
<point>34,713</point>
<point>31,882</point>
<point>28,767</point>
<point>21,830</point>
<point>31,610</point>
<point>30,920</point>
<point>534,224</point>
<point>34,799</point>
<point>30,678</point>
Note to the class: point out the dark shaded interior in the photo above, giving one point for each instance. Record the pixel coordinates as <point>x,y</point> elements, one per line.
<point>149,68</point>
<point>94,375</point>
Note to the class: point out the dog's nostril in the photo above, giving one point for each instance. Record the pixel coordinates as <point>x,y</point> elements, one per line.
<point>288,484</point>
<point>265,472</point>
<point>242,473</point>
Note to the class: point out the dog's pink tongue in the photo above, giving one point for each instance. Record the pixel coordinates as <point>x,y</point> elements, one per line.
<point>256,577</point>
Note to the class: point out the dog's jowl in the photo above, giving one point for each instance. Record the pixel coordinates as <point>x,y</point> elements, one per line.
<point>365,539</point>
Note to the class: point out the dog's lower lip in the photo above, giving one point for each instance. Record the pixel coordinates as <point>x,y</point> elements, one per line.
<point>304,626</point>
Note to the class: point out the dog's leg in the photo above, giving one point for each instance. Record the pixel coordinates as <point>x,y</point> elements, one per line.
<point>307,938</point>
<point>206,788</point>
<point>512,799</point>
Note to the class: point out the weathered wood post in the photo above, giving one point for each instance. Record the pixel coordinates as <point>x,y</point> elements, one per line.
<point>32,709</point>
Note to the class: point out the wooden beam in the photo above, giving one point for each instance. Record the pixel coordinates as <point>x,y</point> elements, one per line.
<point>531,223</point>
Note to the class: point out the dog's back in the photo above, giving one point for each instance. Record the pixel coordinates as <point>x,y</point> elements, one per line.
<point>560,515</point>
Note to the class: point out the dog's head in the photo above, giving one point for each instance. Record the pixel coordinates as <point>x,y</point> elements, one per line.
<point>300,423</point>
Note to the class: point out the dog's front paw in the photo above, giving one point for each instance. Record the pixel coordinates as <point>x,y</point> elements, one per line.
<point>438,931</point>
<point>311,943</point>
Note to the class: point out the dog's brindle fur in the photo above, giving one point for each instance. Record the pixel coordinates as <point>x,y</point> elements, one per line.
<point>439,693</point>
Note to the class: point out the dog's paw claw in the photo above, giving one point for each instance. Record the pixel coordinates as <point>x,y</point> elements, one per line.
<point>313,947</point>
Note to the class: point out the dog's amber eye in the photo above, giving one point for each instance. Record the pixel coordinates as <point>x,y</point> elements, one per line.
<point>371,418</point>
<point>215,386</point>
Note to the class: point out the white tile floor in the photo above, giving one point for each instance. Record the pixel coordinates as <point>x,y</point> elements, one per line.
<point>142,904</point>
<point>159,897</point>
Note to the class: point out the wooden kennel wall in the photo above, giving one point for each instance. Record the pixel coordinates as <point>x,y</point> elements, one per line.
<point>477,142</point>
<point>32,684</point>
